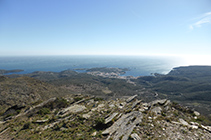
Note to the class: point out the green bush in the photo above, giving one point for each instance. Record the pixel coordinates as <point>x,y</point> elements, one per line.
<point>78,98</point>
<point>27,125</point>
<point>44,111</point>
<point>98,99</point>
<point>100,123</point>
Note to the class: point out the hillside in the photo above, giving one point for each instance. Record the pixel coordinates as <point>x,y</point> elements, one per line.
<point>103,105</point>
<point>25,91</point>
<point>86,117</point>
<point>88,83</point>
<point>190,86</point>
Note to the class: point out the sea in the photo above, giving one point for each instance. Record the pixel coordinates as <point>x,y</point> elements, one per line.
<point>137,65</point>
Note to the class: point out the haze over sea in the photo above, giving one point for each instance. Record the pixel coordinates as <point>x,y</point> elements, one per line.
<point>138,65</point>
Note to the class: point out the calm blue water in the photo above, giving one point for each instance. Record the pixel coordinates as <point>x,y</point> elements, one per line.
<point>138,65</point>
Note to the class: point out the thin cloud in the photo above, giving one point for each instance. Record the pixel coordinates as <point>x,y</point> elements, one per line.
<point>191,27</point>
<point>199,21</point>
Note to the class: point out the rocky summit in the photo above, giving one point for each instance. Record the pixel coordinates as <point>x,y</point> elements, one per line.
<point>86,117</point>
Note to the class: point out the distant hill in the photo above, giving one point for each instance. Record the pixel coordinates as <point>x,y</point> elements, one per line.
<point>202,73</point>
<point>189,85</point>
<point>25,90</point>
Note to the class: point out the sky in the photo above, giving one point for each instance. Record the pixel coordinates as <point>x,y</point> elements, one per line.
<point>105,27</point>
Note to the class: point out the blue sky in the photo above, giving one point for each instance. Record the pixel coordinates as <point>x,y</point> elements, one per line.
<point>105,27</point>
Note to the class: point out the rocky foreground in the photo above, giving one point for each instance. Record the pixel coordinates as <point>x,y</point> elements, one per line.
<point>87,117</point>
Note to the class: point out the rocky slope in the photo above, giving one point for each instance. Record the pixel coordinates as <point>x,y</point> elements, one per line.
<point>88,117</point>
<point>71,105</point>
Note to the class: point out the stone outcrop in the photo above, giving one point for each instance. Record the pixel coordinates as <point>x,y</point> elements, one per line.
<point>131,98</point>
<point>72,109</point>
<point>123,119</point>
<point>135,136</point>
<point>111,117</point>
<point>157,110</point>
<point>41,121</point>
<point>160,102</point>
<point>183,122</point>
<point>124,126</point>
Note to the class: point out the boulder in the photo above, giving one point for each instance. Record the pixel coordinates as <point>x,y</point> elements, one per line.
<point>196,113</point>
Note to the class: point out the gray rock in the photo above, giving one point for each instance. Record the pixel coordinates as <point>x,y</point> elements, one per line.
<point>145,107</point>
<point>86,116</point>
<point>194,123</point>
<point>111,105</point>
<point>196,113</point>
<point>109,119</point>
<point>37,107</point>
<point>54,123</point>
<point>135,136</point>
<point>84,99</point>
<point>208,128</point>
<point>119,116</point>
<point>194,126</point>
<point>94,133</point>
<point>131,98</point>
<point>160,102</point>
<point>167,103</point>
<point>124,126</point>
<point>121,105</point>
<point>173,122</point>
<point>136,103</point>
<point>167,108</point>
<point>145,104</point>
<point>141,110</point>
<point>99,107</point>
<point>90,102</point>
<point>72,109</point>
<point>41,121</point>
<point>183,122</point>
<point>157,110</point>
